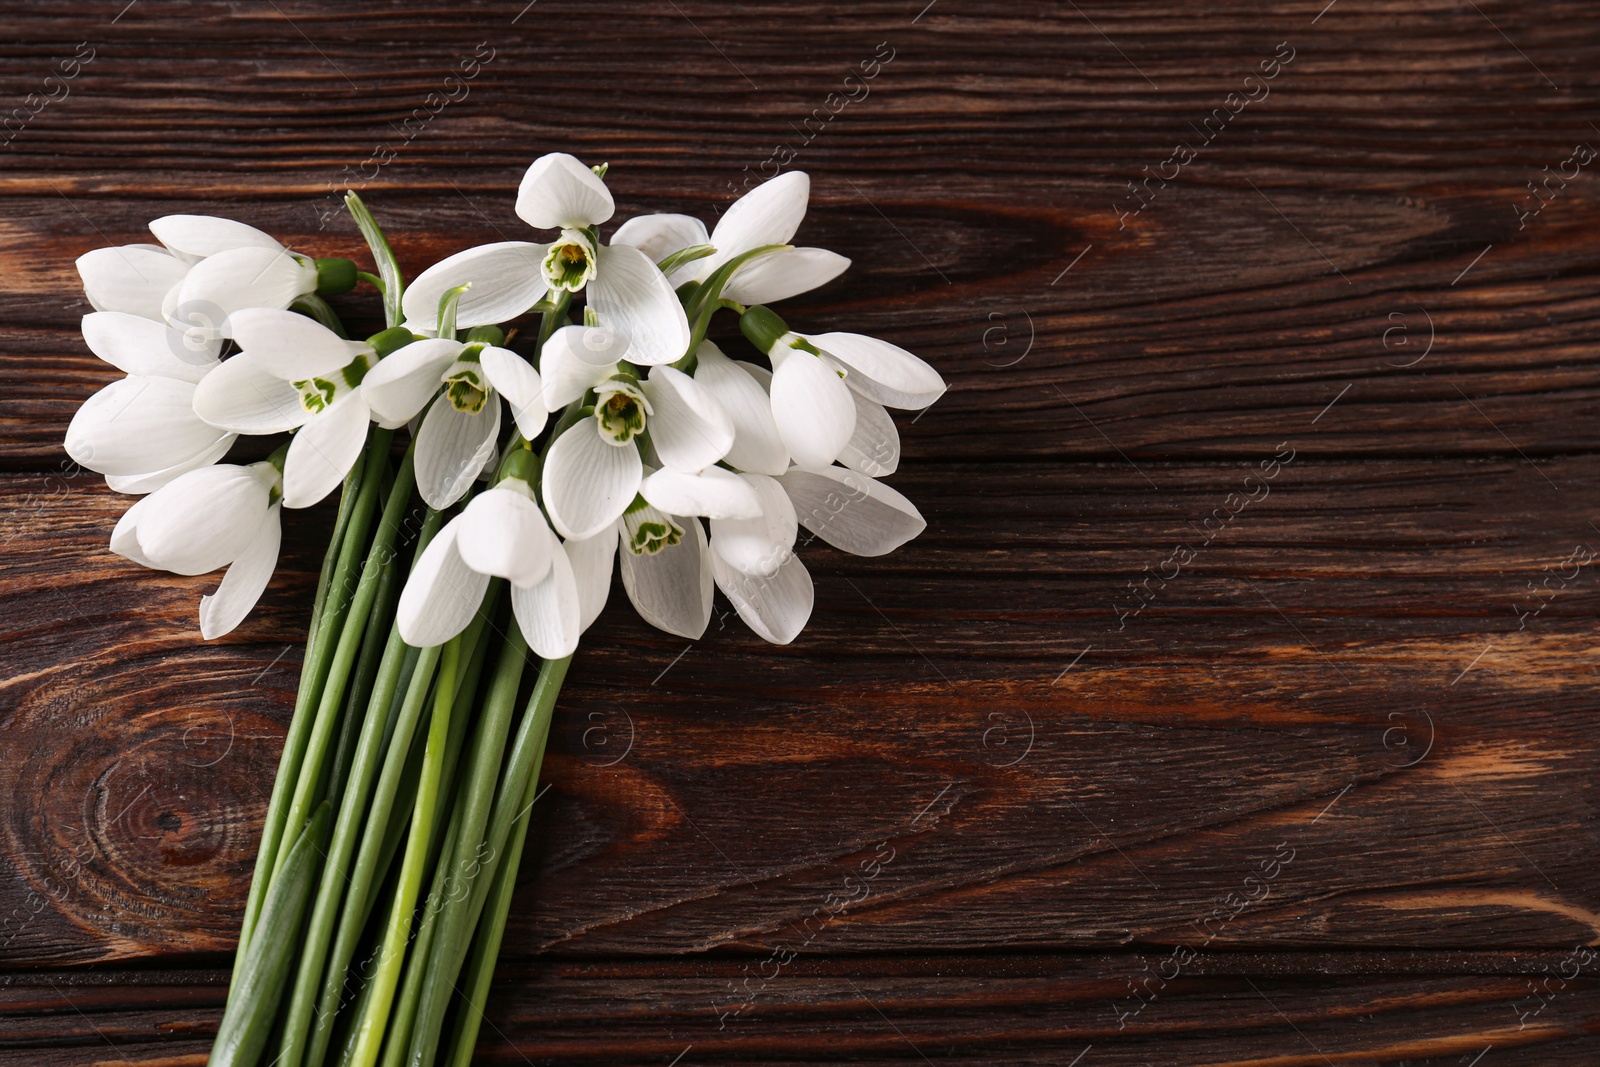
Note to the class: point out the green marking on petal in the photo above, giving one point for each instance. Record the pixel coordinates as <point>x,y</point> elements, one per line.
<point>464,384</point>
<point>316,393</point>
<point>620,409</point>
<point>570,262</point>
<point>649,529</point>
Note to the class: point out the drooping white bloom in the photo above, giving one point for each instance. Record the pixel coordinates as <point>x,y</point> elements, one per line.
<point>456,386</point>
<point>754,564</point>
<point>816,380</point>
<point>594,471</point>
<point>500,533</point>
<point>293,373</point>
<point>208,268</point>
<point>132,279</point>
<point>666,570</point>
<point>623,286</point>
<point>142,431</point>
<point>769,214</point>
<point>742,390</point>
<point>217,516</point>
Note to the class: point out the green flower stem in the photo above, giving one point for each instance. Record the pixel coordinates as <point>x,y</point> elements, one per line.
<point>351,598</point>
<point>501,883</point>
<point>360,894</point>
<point>374,648</point>
<point>435,972</point>
<point>397,931</point>
<point>247,1021</point>
<point>320,635</point>
<point>382,255</point>
<point>403,1015</point>
<point>704,302</point>
<point>378,572</point>
<point>313,306</point>
<point>552,320</point>
<point>461,717</point>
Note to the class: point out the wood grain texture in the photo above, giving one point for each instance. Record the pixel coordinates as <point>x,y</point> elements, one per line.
<point>1330,730</point>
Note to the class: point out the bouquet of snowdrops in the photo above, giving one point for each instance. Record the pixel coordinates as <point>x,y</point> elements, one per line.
<point>549,443</point>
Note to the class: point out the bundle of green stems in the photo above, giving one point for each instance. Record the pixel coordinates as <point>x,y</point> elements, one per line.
<point>403,797</point>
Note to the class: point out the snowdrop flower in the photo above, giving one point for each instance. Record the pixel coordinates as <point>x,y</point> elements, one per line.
<point>816,380</point>
<point>456,387</point>
<point>742,390</point>
<point>209,268</point>
<point>131,279</point>
<point>666,570</point>
<point>500,533</point>
<point>624,287</point>
<point>753,561</point>
<point>142,431</point>
<point>219,516</point>
<point>769,214</point>
<point>293,373</point>
<point>594,470</point>
<point>662,549</point>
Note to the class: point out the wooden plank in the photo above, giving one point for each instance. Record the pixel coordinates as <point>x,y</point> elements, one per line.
<point>1217,1009</point>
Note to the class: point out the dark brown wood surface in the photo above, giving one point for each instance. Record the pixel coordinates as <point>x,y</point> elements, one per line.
<point>1322,791</point>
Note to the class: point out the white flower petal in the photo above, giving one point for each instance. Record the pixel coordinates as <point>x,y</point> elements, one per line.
<point>756,445</point>
<point>125,536</point>
<point>290,345</point>
<point>775,607</point>
<point>780,275</point>
<point>242,396</point>
<point>769,214</point>
<point>200,236</point>
<point>549,611</point>
<point>812,407</point>
<point>875,446</point>
<point>688,427</point>
<point>574,360</point>
<point>133,279</point>
<point>136,345</point>
<point>323,451</point>
<point>631,296</point>
<point>503,533</point>
<point>592,559</point>
<point>442,593</point>
<point>246,579</point>
<point>658,236</point>
<point>713,493</point>
<point>515,379</point>
<point>672,589</point>
<point>451,449</point>
<point>881,371</point>
<point>559,192</point>
<point>406,379</point>
<point>760,545</point>
<point>139,426</point>
<point>228,282</point>
<point>505,277</point>
<point>149,483</point>
<point>852,512</point>
<point>205,519</point>
<point>588,483</point>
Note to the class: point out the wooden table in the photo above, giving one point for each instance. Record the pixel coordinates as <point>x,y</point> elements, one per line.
<point>1238,704</point>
